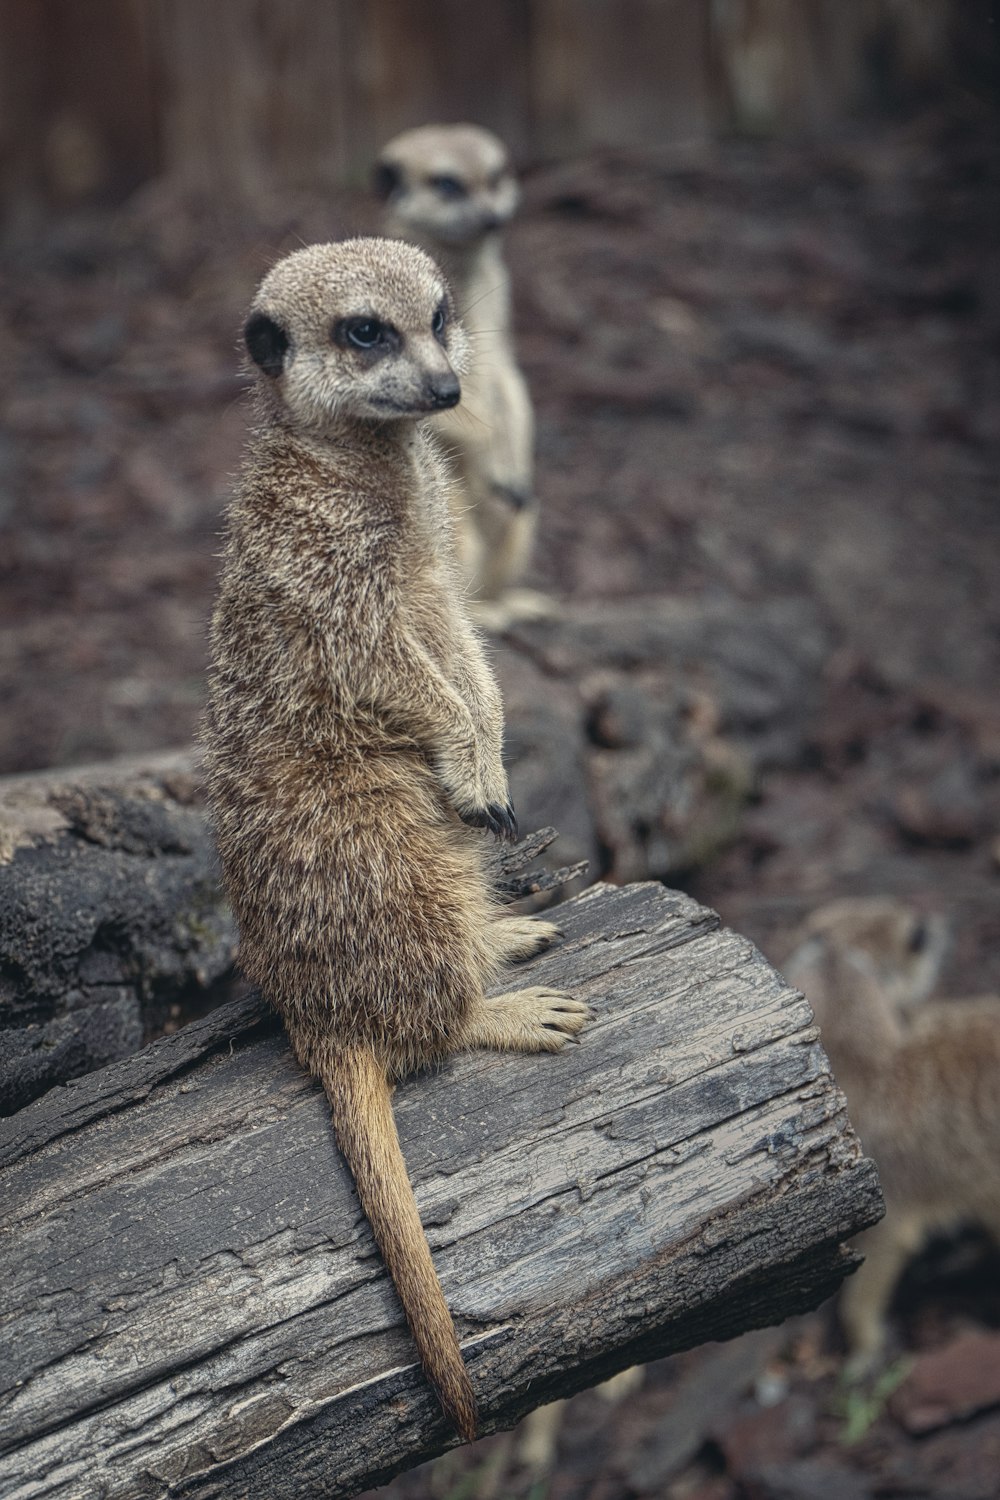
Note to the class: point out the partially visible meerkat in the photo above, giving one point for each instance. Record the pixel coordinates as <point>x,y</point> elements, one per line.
<point>353,736</point>
<point>450,189</point>
<point>922,1081</point>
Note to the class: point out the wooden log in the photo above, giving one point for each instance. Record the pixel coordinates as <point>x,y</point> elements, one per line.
<point>110,912</point>
<point>192,1301</point>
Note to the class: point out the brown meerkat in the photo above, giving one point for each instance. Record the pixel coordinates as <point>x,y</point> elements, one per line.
<point>450,189</point>
<point>922,1081</point>
<point>353,735</point>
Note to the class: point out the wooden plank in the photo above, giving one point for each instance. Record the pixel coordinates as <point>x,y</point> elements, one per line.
<point>192,1301</point>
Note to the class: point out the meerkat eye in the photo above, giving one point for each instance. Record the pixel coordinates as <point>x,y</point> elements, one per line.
<point>363,333</point>
<point>438,323</point>
<point>448,187</point>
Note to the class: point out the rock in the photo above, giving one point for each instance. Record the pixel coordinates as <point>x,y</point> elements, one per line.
<point>703,1398</point>
<point>812,1479</point>
<point>950,1384</point>
<point>946,810</point>
<point>757,1437</point>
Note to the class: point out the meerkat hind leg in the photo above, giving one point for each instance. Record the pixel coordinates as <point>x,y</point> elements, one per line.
<point>522,937</point>
<point>867,1294</point>
<point>537,1019</point>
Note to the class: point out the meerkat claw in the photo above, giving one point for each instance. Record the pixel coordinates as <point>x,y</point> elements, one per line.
<point>504,822</point>
<point>495,826</point>
<point>494,818</point>
<point>500,821</point>
<point>476,817</point>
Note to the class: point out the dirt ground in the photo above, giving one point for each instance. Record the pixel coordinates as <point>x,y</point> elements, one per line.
<point>758,371</point>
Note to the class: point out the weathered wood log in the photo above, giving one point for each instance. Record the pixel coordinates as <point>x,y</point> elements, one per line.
<point>193,1305</point>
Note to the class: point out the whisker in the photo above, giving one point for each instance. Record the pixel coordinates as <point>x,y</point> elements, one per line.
<point>488,293</point>
<point>466,411</point>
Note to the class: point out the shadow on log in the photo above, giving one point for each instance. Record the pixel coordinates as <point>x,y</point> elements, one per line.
<point>194,1305</point>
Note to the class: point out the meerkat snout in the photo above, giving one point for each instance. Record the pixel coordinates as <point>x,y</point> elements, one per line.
<point>444,391</point>
<point>330,350</point>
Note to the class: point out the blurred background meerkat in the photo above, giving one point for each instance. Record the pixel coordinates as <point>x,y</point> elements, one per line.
<point>451,189</point>
<point>922,1080</point>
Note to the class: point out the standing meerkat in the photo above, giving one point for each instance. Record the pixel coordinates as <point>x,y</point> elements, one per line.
<point>922,1081</point>
<point>450,189</point>
<point>354,730</point>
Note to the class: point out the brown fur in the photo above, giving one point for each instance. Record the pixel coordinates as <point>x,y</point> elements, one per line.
<point>922,1082</point>
<point>354,732</point>
<point>491,436</point>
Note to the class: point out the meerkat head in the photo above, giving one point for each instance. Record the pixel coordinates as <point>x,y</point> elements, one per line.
<point>876,944</point>
<point>363,330</point>
<point>452,184</point>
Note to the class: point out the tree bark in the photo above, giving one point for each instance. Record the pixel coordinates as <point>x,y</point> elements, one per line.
<point>192,1300</point>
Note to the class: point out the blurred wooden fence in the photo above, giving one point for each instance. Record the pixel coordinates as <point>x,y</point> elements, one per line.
<point>230,96</point>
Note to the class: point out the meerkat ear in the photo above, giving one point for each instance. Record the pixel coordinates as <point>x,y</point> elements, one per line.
<point>386,180</point>
<point>267,343</point>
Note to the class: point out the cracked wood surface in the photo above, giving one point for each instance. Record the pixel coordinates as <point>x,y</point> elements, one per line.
<point>192,1303</point>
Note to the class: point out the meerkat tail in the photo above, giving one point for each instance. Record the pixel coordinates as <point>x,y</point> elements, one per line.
<point>361,1105</point>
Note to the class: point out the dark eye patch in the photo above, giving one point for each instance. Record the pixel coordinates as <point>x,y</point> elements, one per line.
<point>439,323</point>
<point>386,180</point>
<point>448,186</point>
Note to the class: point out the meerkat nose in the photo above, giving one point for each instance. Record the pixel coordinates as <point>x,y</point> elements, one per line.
<point>444,390</point>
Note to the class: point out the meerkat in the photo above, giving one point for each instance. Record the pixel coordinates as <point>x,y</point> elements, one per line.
<point>922,1081</point>
<point>353,735</point>
<point>450,189</point>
